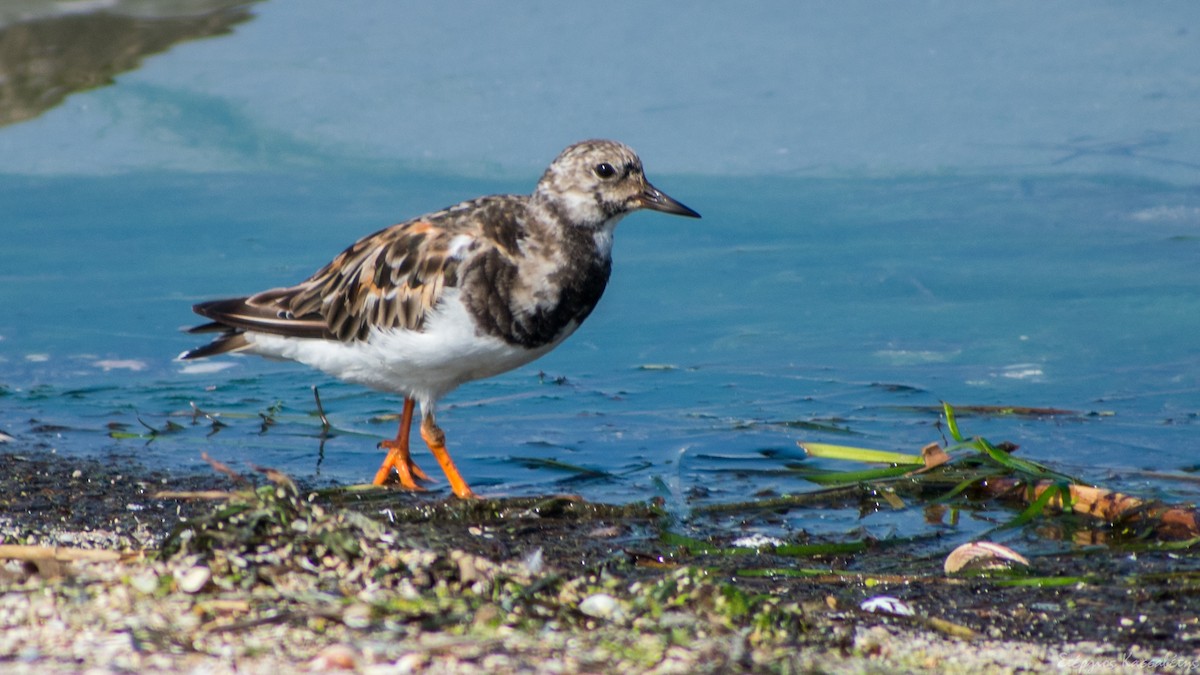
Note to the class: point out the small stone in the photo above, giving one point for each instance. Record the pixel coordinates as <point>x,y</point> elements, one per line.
<point>335,657</point>
<point>145,583</point>
<point>467,572</point>
<point>195,579</point>
<point>601,606</point>
<point>357,616</point>
<point>410,663</point>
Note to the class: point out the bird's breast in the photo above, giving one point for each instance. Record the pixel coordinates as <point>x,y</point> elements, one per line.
<point>535,302</point>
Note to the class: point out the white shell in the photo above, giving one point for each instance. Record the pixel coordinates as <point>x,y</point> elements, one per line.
<point>886,604</point>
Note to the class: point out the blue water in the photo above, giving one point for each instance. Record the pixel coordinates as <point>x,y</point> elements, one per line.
<point>1020,247</point>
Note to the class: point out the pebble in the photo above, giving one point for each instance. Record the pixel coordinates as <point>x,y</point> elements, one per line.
<point>194,580</point>
<point>601,606</point>
<point>335,657</point>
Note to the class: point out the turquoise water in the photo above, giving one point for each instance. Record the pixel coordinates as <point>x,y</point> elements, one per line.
<point>842,302</point>
<point>834,303</point>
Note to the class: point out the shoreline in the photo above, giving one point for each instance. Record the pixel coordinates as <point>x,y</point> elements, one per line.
<point>384,581</point>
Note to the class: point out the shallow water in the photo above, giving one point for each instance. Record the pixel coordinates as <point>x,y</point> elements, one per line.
<point>838,304</point>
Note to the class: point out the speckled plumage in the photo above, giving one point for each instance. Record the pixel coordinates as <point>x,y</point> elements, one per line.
<point>468,292</point>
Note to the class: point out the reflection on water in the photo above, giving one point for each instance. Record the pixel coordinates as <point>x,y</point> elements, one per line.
<point>50,50</point>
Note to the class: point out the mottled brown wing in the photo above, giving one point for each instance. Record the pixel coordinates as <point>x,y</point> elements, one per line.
<point>391,279</point>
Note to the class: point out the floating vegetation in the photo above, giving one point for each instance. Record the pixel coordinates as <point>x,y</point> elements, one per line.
<point>150,434</point>
<point>998,410</point>
<point>859,454</point>
<point>268,416</point>
<point>976,467</point>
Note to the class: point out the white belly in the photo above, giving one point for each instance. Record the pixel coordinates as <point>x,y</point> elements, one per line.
<point>424,364</point>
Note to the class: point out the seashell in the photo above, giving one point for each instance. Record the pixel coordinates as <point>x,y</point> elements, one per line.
<point>979,556</point>
<point>886,604</point>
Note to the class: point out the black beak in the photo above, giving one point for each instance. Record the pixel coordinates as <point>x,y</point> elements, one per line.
<point>657,201</point>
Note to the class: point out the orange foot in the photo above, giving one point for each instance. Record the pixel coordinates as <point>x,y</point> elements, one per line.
<point>436,440</point>
<point>398,457</point>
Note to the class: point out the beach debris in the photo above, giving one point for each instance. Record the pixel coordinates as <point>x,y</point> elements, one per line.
<point>982,556</point>
<point>886,604</point>
<point>756,541</point>
<point>194,580</point>
<point>601,606</point>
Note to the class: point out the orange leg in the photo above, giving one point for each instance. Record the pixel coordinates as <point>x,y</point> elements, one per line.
<point>398,457</point>
<point>436,440</point>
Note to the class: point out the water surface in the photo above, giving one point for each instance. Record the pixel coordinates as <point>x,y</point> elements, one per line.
<point>835,298</point>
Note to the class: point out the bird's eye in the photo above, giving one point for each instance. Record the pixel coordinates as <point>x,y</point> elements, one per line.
<point>605,170</point>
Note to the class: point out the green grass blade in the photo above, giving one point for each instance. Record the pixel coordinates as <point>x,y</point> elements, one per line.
<point>122,435</point>
<point>852,454</point>
<point>864,476</point>
<point>951,423</point>
<point>1018,465</point>
<point>1045,582</point>
<point>830,548</point>
<point>770,572</point>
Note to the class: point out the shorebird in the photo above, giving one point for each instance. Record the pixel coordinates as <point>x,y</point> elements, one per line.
<point>465,293</point>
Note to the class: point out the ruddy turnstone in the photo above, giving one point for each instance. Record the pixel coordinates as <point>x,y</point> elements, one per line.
<point>466,293</point>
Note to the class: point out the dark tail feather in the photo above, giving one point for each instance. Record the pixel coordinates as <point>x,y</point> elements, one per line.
<point>247,314</point>
<point>213,327</point>
<point>232,341</point>
<point>232,317</point>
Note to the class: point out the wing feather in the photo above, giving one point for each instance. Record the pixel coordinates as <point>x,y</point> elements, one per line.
<point>393,278</point>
